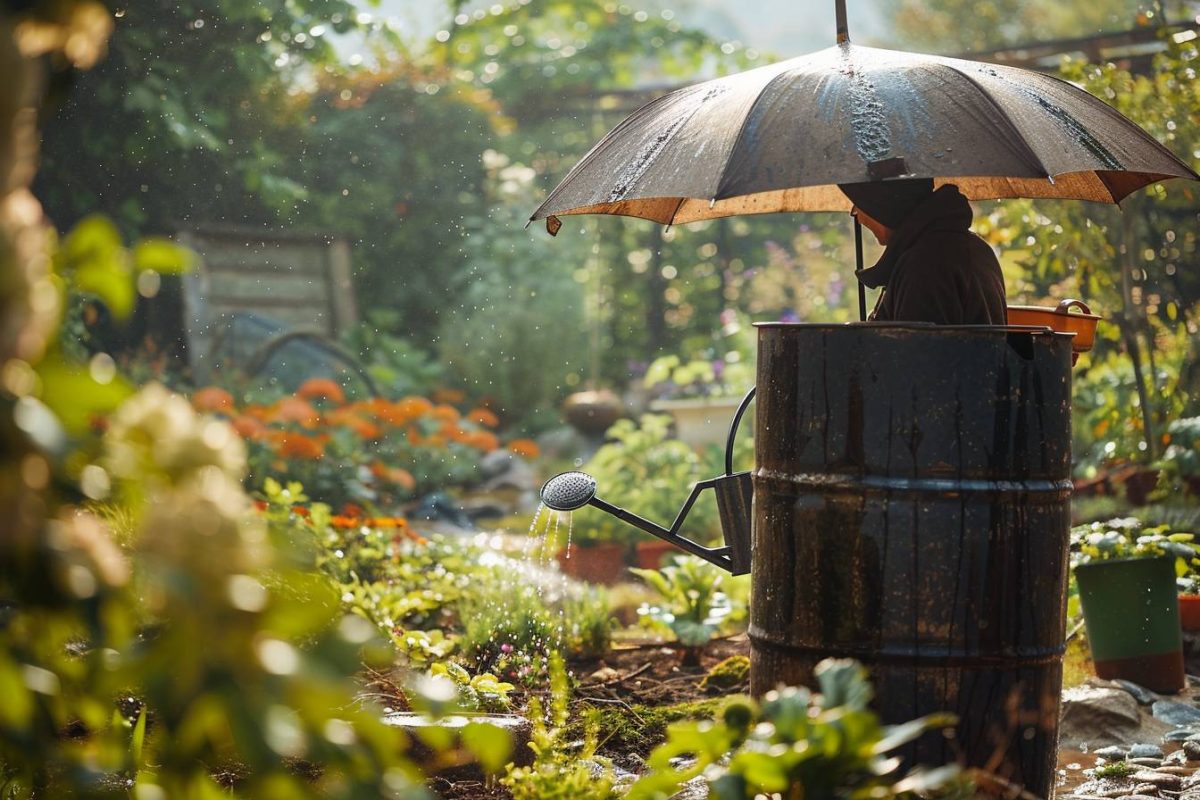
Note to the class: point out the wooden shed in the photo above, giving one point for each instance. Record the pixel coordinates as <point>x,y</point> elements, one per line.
<point>301,280</point>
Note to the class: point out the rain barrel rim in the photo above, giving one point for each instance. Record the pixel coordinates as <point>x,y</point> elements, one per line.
<point>925,327</point>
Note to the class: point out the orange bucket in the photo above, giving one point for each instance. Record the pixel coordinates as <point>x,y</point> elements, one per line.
<point>1060,319</point>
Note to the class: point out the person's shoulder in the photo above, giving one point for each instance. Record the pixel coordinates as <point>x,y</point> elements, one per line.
<point>934,251</point>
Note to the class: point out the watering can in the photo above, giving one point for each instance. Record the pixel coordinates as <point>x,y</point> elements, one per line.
<point>569,491</point>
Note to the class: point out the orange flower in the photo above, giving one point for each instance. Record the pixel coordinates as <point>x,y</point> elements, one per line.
<point>295,445</point>
<point>401,477</point>
<point>366,430</point>
<point>321,389</point>
<point>260,413</point>
<point>399,524</point>
<point>413,407</point>
<point>249,428</point>
<point>525,447</point>
<point>445,413</point>
<point>293,409</point>
<point>449,396</point>
<point>212,398</point>
<point>346,418</point>
<point>483,416</point>
<point>482,440</point>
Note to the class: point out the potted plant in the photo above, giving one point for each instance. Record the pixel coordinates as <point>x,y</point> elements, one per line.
<point>702,393</point>
<point>1189,601</point>
<point>1126,576</point>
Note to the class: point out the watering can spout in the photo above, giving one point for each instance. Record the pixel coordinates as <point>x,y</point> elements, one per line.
<point>569,491</point>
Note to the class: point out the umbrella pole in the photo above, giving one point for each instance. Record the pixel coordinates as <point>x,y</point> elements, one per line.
<point>858,261</point>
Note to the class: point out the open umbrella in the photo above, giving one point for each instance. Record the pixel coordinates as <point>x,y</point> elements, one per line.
<point>782,137</point>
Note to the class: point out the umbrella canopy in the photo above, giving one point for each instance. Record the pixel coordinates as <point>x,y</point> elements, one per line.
<point>783,136</point>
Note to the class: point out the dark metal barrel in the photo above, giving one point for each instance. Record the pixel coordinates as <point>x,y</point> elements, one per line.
<point>911,511</point>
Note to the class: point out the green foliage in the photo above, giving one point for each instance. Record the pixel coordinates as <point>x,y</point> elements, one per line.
<point>1181,460</point>
<point>669,377</point>
<point>1128,537</point>
<point>509,627</point>
<point>820,746</point>
<point>1130,266</point>
<point>92,263</point>
<point>561,768</point>
<point>398,367</point>
<point>186,120</point>
<point>515,332</point>
<point>646,471</point>
<point>376,173</point>
<point>483,692</point>
<point>959,26</point>
<point>693,606</point>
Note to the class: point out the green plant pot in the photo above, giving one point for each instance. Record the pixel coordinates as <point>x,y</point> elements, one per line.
<point>1131,609</point>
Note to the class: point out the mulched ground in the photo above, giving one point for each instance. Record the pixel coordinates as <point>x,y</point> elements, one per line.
<point>629,688</point>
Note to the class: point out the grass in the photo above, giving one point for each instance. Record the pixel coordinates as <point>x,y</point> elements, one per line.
<point>640,728</point>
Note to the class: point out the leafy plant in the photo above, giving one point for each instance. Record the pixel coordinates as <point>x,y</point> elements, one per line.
<point>483,692</point>
<point>820,747</point>
<point>693,606</point>
<point>670,377</point>
<point>1127,537</point>
<point>1180,462</point>
<point>398,367</point>
<point>562,768</point>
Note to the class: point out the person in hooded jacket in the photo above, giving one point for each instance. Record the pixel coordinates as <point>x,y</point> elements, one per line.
<point>934,269</point>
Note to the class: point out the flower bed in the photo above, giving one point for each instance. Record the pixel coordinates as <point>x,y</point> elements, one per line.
<point>375,452</point>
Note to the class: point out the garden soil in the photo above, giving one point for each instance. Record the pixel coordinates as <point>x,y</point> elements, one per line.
<point>637,689</point>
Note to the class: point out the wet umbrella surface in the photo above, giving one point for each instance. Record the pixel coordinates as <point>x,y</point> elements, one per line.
<point>781,137</point>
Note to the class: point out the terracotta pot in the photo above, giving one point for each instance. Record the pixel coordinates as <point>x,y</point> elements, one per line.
<point>593,412</point>
<point>652,553</point>
<point>603,562</point>
<point>1139,485</point>
<point>1189,611</point>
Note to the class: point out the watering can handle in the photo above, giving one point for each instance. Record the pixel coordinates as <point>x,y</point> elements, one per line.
<point>733,428</point>
<point>1065,307</point>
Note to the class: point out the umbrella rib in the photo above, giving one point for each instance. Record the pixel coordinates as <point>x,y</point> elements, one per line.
<point>675,211</point>
<point>737,140</point>
<point>1117,116</point>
